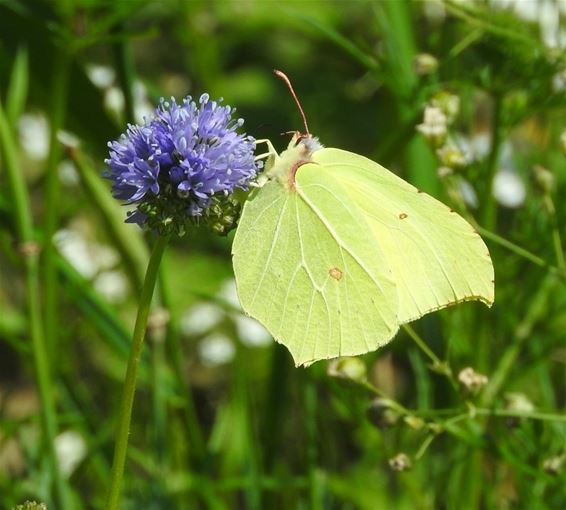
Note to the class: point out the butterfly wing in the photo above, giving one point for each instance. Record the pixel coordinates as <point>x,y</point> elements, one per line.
<point>436,256</point>
<point>307,268</point>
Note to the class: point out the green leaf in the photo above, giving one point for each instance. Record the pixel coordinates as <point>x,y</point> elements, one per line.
<point>18,88</point>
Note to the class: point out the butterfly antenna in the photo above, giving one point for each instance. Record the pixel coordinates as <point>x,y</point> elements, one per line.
<point>283,76</point>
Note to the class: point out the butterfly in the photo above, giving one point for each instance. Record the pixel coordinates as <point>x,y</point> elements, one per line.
<point>333,252</point>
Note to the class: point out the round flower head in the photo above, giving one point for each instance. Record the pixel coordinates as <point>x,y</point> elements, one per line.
<point>182,165</point>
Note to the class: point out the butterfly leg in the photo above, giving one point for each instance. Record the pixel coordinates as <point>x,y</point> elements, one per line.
<point>270,149</point>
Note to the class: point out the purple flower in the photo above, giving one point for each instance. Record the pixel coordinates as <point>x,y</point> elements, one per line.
<point>181,162</point>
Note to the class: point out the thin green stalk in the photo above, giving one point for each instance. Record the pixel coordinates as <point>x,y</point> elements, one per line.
<point>507,413</point>
<point>556,239</point>
<point>438,365</point>
<point>386,399</point>
<point>129,389</point>
<point>535,259</point>
<point>424,445</point>
<point>29,250</point>
<point>518,250</point>
<point>59,95</point>
<point>421,344</point>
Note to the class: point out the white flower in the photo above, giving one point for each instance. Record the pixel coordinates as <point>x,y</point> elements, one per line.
<point>451,156</point>
<point>518,402</point>
<point>546,12</point>
<point>101,76</point>
<point>200,318</point>
<point>471,380</point>
<point>229,293</point>
<point>86,257</point>
<point>114,100</point>
<point>434,126</point>
<point>434,10</point>
<point>68,139</point>
<point>551,30</point>
<point>251,332</point>
<point>448,103</point>
<point>33,129</point>
<point>508,189</point>
<point>113,285</point>
<point>76,250</point>
<point>468,193</point>
<point>68,174</point>
<point>70,449</point>
<point>216,349</point>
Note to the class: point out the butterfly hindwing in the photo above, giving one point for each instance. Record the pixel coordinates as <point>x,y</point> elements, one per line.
<point>305,270</point>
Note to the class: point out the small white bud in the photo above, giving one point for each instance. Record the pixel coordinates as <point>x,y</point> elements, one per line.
<point>471,380</point>
<point>347,368</point>
<point>424,64</point>
<point>434,126</point>
<point>401,462</point>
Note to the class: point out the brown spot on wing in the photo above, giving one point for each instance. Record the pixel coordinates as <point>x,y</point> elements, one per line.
<point>403,215</point>
<point>335,273</point>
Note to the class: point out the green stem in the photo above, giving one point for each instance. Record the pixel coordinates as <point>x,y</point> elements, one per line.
<point>518,250</point>
<point>386,399</point>
<point>29,249</point>
<point>438,365</point>
<point>129,390</point>
<point>58,106</point>
<point>424,446</point>
<point>421,344</point>
<point>507,413</point>
<point>556,239</point>
<point>492,236</point>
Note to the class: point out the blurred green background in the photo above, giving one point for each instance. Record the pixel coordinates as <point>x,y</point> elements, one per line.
<point>222,419</point>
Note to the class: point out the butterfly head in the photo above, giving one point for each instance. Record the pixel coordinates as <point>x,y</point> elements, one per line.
<point>299,152</point>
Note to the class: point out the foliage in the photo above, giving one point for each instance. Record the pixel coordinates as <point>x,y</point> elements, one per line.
<point>462,410</point>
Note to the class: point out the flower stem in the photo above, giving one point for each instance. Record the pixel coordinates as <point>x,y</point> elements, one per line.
<point>129,390</point>
<point>439,366</point>
<point>59,94</point>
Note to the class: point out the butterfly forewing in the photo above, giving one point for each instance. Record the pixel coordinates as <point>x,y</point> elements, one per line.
<point>436,257</point>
